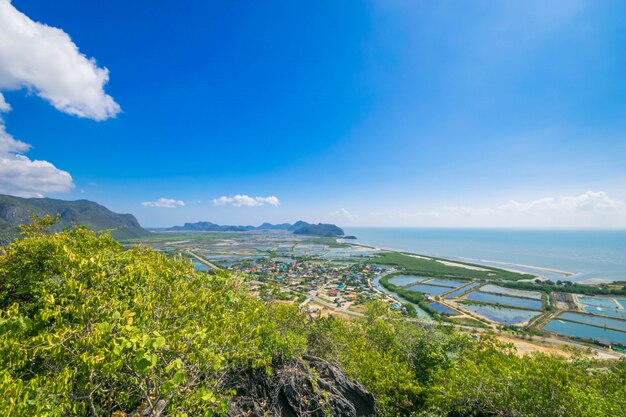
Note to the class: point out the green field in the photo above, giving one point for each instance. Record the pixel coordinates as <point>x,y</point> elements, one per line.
<point>161,237</point>
<point>432,268</point>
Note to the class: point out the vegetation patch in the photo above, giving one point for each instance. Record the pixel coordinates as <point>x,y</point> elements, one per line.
<point>432,268</point>
<point>616,288</point>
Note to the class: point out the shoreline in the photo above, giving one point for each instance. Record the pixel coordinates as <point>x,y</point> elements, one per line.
<point>538,268</point>
<point>481,262</point>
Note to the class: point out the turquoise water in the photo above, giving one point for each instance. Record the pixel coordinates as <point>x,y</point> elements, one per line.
<point>595,320</point>
<point>199,266</point>
<point>462,290</point>
<point>569,328</point>
<point>605,311</point>
<point>420,313</point>
<point>401,280</point>
<point>508,291</point>
<point>592,254</point>
<point>443,309</point>
<point>622,303</point>
<point>597,302</point>
<point>428,289</point>
<point>502,315</point>
<point>502,299</point>
<point>445,283</point>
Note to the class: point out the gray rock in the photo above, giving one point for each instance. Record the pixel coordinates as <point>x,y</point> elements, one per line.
<point>308,387</point>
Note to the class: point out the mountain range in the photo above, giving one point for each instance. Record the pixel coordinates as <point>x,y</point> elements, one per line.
<point>300,228</point>
<point>17,210</point>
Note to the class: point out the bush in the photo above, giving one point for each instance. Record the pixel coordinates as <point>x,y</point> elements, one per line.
<point>89,329</point>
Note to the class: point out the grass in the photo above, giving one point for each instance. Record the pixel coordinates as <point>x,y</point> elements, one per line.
<point>432,268</point>
<point>160,237</point>
<point>464,321</point>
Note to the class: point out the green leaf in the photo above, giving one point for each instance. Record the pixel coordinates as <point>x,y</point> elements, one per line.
<point>143,364</point>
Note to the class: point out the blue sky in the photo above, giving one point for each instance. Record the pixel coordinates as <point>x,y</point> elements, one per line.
<point>390,113</point>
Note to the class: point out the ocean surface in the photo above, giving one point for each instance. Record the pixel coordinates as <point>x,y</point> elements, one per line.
<point>588,255</point>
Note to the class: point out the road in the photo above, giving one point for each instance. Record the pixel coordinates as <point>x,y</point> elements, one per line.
<point>204,261</point>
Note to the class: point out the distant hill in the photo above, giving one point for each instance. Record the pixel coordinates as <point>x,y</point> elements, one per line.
<point>211,227</point>
<point>300,228</point>
<point>320,229</point>
<point>16,210</point>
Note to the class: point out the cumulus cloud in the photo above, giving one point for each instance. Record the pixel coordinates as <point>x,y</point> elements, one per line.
<point>244,200</point>
<point>46,61</point>
<point>23,177</point>
<point>164,203</point>
<point>4,106</point>
<point>590,201</point>
<point>342,214</point>
<point>589,209</point>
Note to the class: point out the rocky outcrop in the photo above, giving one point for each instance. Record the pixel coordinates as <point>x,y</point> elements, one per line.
<point>299,387</point>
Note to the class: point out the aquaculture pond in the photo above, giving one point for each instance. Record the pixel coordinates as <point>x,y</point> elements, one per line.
<point>199,266</point>
<point>428,289</point>
<point>508,291</point>
<point>585,331</point>
<point>503,315</point>
<point>597,302</point>
<point>420,313</point>
<point>401,280</point>
<point>504,300</point>
<point>621,302</point>
<point>462,290</point>
<point>445,282</point>
<point>440,308</point>
<point>595,320</point>
<point>605,311</point>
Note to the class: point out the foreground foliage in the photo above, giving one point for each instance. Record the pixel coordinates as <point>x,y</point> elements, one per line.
<point>87,328</point>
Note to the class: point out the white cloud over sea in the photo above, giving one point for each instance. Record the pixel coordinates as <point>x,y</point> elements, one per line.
<point>164,203</point>
<point>587,210</point>
<point>246,201</point>
<point>46,62</point>
<point>590,209</point>
<point>589,202</point>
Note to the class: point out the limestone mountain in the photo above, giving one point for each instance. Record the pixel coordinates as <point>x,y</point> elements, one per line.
<point>17,210</point>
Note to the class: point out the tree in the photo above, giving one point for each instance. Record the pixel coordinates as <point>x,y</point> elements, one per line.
<point>88,328</point>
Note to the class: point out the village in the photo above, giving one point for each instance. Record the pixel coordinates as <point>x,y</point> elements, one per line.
<point>323,285</point>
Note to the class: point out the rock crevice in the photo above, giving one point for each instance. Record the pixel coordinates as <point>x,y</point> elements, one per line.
<point>299,387</point>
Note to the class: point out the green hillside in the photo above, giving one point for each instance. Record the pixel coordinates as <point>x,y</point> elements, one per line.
<point>16,210</point>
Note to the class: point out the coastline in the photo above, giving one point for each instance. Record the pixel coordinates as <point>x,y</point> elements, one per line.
<point>538,268</point>
<point>483,262</point>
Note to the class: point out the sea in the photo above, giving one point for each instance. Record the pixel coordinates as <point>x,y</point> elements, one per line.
<point>586,256</point>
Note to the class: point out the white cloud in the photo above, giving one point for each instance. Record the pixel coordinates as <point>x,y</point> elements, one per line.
<point>46,61</point>
<point>589,201</point>
<point>26,178</point>
<point>244,200</point>
<point>23,177</point>
<point>4,106</point>
<point>342,214</point>
<point>589,209</point>
<point>164,203</point>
